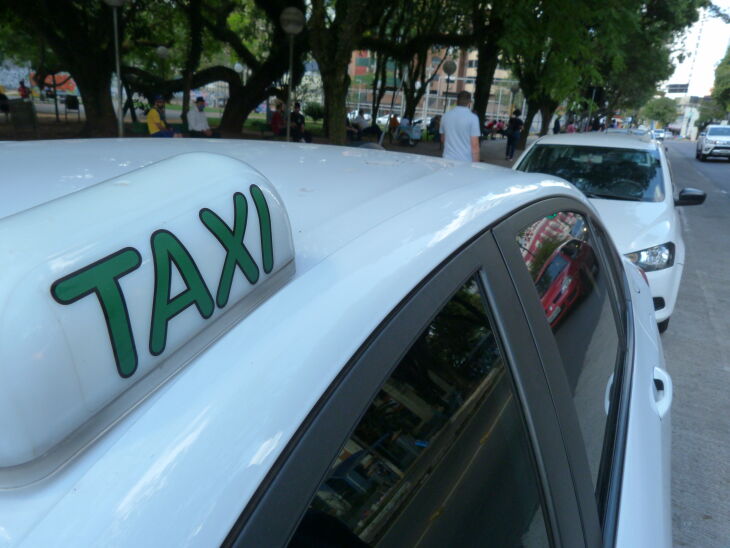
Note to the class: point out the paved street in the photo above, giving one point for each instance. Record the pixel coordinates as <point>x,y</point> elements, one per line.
<point>697,351</point>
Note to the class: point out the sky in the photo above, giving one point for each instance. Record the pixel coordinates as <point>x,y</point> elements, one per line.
<point>710,38</point>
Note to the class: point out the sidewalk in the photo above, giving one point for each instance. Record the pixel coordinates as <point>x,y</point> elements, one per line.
<point>492,152</point>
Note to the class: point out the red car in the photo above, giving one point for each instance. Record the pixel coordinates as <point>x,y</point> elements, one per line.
<point>565,277</point>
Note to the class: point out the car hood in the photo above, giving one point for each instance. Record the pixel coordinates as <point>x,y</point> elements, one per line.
<point>720,138</point>
<point>636,225</point>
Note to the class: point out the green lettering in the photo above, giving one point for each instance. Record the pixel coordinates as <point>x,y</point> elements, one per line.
<point>102,278</point>
<point>262,208</point>
<point>166,250</point>
<point>232,241</point>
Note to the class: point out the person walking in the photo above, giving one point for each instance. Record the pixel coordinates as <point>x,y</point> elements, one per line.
<point>514,128</point>
<point>460,131</point>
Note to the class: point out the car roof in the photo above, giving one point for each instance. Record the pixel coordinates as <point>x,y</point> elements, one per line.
<point>600,139</point>
<point>367,227</point>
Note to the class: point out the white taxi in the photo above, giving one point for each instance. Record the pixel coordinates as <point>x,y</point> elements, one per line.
<point>628,180</point>
<point>270,344</point>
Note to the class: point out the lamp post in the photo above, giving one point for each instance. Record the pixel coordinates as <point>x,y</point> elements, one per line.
<point>115,5</point>
<point>449,69</point>
<point>292,21</point>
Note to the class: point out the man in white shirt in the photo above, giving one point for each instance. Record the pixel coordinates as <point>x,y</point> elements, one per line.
<point>198,121</point>
<point>460,131</point>
<point>365,127</point>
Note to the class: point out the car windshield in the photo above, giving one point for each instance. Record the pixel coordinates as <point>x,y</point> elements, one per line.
<point>719,132</point>
<point>552,271</point>
<point>601,172</point>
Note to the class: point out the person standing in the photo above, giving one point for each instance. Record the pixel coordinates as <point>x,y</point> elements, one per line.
<point>460,131</point>
<point>298,133</point>
<point>556,126</point>
<point>23,91</point>
<point>514,128</point>
<point>198,121</point>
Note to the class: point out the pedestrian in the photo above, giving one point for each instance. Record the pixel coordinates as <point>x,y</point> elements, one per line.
<point>278,125</point>
<point>570,128</point>
<point>198,121</point>
<point>460,131</point>
<point>298,133</point>
<point>556,125</point>
<point>364,127</point>
<point>514,129</point>
<point>156,122</point>
<point>23,91</point>
<point>393,124</point>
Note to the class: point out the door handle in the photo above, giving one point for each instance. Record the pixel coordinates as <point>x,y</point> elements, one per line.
<point>663,391</point>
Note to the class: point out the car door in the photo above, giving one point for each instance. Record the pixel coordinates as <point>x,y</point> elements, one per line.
<point>440,431</point>
<point>588,351</point>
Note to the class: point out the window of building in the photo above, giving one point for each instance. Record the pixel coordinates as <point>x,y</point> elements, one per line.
<point>441,457</point>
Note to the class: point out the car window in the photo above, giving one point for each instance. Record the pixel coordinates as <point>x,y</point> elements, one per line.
<point>441,456</point>
<point>719,132</point>
<point>559,252</point>
<point>601,172</point>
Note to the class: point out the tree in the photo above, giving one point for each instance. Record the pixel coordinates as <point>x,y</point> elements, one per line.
<point>710,112</point>
<point>548,56</point>
<point>334,31</point>
<point>721,89</point>
<point>661,109</point>
<point>80,35</point>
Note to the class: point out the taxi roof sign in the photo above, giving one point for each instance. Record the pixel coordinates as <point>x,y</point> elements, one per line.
<point>106,292</point>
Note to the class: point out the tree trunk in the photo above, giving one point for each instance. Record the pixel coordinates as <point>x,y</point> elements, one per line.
<point>546,112</point>
<point>488,59</point>
<point>335,99</point>
<point>94,84</point>
<point>531,112</point>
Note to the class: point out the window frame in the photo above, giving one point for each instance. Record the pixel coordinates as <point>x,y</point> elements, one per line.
<point>273,513</point>
<point>599,517</point>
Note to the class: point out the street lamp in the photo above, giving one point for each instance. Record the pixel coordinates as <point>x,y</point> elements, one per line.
<point>238,67</point>
<point>292,21</point>
<point>115,5</point>
<point>449,68</point>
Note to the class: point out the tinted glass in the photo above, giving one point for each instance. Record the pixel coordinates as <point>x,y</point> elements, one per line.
<point>440,457</point>
<point>718,131</point>
<point>559,252</point>
<point>601,172</point>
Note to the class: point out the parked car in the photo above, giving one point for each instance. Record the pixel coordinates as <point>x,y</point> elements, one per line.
<point>628,180</point>
<point>383,119</point>
<point>659,134</point>
<point>272,344</point>
<point>565,278</point>
<point>714,141</point>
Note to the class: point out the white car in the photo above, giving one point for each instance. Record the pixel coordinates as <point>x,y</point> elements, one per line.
<point>208,342</point>
<point>714,141</point>
<point>659,134</point>
<point>628,180</point>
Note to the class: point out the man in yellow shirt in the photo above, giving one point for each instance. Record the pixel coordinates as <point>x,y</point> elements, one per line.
<point>156,123</point>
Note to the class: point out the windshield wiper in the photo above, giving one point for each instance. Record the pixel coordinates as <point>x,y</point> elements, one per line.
<point>590,194</point>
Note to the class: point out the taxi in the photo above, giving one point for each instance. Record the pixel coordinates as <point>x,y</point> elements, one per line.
<point>268,344</point>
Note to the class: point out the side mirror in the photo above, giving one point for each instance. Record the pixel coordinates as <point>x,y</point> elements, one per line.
<point>702,134</point>
<point>690,196</point>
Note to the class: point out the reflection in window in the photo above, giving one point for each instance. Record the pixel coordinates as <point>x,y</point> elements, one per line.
<point>440,458</point>
<point>558,251</point>
<point>601,172</point>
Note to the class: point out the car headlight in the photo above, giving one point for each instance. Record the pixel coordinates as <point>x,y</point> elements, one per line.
<point>653,258</point>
